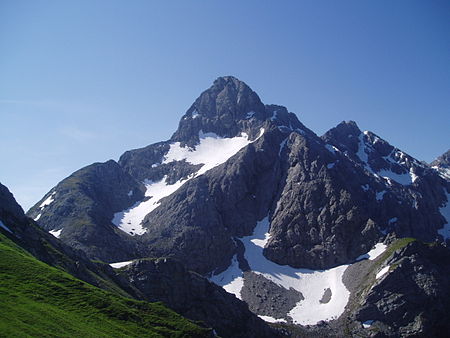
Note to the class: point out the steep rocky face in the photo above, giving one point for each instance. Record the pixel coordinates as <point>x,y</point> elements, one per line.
<point>408,192</point>
<point>412,297</point>
<point>318,208</point>
<point>194,297</point>
<point>228,108</point>
<point>80,208</point>
<point>442,165</point>
<point>442,161</point>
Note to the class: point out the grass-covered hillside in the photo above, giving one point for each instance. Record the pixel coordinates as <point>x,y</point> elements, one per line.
<point>42,301</point>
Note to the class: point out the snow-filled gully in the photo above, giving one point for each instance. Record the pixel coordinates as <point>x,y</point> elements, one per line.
<point>206,153</point>
<point>311,283</point>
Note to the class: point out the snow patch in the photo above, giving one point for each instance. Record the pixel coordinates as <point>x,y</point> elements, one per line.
<point>310,283</point>
<point>272,320</point>
<point>231,279</point>
<point>403,179</point>
<point>120,264</point>
<point>445,212</point>
<point>195,114</point>
<point>2,225</point>
<point>130,220</point>
<point>55,233</point>
<point>130,193</point>
<point>206,152</point>
<point>377,250</point>
<point>44,204</point>
<point>155,165</point>
<point>47,201</point>
<point>414,177</point>
<point>331,149</point>
<point>367,324</point>
<point>383,271</point>
<point>365,187</point>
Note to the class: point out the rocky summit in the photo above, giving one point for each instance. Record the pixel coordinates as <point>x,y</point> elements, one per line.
<point>336,234</point>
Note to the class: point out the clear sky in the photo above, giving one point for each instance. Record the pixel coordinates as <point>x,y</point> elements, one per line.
<point>84,81</point>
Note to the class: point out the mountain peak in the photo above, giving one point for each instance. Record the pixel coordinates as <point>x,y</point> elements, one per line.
<point>221,109</point>
<point>228,96</point>
<point>443,160</point>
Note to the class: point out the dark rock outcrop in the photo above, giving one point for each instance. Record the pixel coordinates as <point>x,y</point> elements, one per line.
<point>83,207</point>
<point>194,297</point>
<point>413,298</point>
<point>442,161</point>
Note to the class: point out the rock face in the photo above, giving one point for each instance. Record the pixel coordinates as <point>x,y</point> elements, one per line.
<point>412,297</point>
<point>442,165</point>
<point>442,161</point>
<point>194,297</point>
<point>82,207</point>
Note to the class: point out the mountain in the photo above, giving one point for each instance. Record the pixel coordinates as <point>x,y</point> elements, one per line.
<point>442,165</point>
<point>246,195</point>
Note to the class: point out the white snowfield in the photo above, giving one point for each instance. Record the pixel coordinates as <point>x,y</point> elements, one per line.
<point>378,249</point>
<point>272,320</point>
<point>55,233</point>
<point>44,204</point>
<point>120,264</point>
<point>383,271</point>
<point>211,152</point>
<point>445,212</point>
<point>311,283</point>
<point>231,279</point>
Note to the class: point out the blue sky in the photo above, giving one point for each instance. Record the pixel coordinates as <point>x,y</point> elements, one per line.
<point>84,81</point>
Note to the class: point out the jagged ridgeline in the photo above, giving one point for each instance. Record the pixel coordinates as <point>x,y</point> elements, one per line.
<point>246,195</point>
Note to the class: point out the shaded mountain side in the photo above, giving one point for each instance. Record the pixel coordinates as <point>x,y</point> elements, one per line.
<point>194,297</point>
<point>442,161</point>
<point>442,165</point>
<point>82,207</point>
<point>39,300</point>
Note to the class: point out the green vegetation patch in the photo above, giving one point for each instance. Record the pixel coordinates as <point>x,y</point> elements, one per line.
<point>42,301</point>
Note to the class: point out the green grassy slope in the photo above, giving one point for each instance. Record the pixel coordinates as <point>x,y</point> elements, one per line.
<point>42,301</point>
